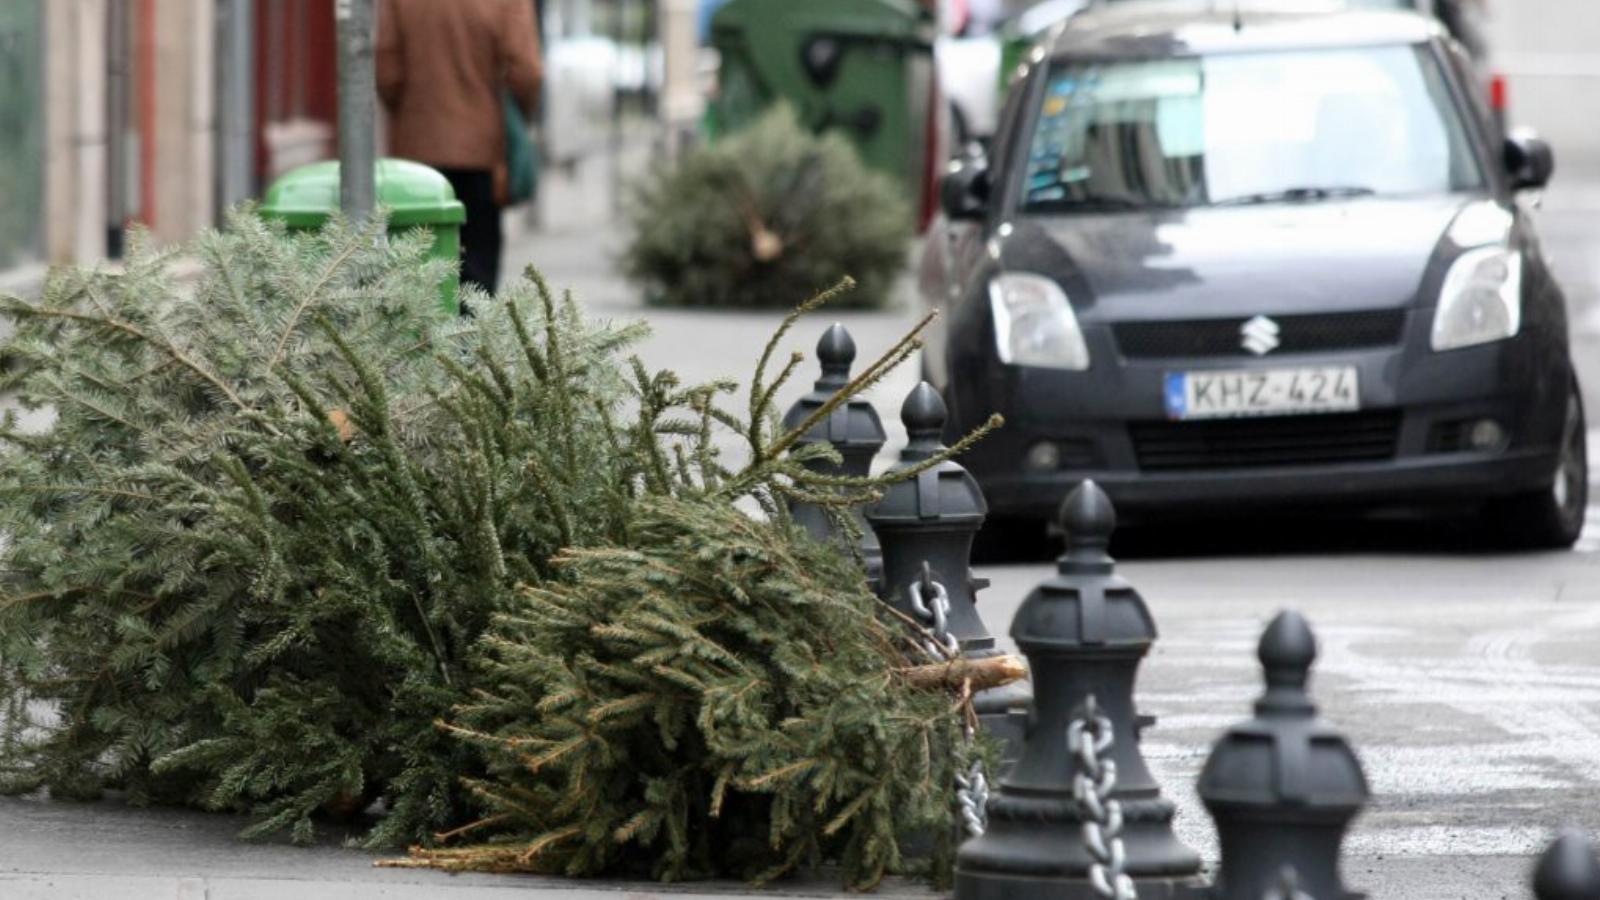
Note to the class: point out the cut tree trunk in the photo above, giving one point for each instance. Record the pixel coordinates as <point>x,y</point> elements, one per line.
<point>986,673</point>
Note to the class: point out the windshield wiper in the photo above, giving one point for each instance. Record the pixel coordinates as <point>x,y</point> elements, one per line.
<point>1295,195</point>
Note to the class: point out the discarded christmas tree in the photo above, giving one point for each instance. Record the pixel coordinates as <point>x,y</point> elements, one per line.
<point>712,704</point>
<point>765,215</point>
<point>289,522</point>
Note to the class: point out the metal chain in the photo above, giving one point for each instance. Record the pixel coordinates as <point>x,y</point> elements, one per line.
<point>972,793</point>
<point>931,602</point>
<point>1089,738</point>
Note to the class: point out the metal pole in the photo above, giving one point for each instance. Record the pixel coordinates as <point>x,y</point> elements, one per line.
<point>679,101</point>
<point>236,101</point>
<point>358,94</point>
<point>119,89</point>
<point>619,34</point>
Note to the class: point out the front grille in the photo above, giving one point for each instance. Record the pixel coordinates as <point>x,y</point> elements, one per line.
<point>1298,334</point>
<point>1249,443</point>
<point>1076,453</point>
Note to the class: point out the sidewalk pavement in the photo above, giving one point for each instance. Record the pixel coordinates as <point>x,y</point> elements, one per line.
<point>107,851</point>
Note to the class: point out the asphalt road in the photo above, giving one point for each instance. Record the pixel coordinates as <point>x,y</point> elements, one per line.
<point>1468,680</point>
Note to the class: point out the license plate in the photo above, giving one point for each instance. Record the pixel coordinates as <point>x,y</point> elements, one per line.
<point>1262,392</point>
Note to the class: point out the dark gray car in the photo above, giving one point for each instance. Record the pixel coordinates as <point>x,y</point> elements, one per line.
<point>1223,259</point>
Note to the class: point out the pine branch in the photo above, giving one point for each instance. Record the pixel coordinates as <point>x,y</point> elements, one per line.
<point>171,350</point>
<point>759,396</point>
<point>311,296</point>
<point>83,489</point>
<point>896,354</point>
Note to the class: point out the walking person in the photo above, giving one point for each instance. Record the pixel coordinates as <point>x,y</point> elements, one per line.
<point>444,69</point>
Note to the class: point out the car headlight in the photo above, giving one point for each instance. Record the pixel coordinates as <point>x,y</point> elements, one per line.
<point>1481,300</point>
<point>1034,324</point>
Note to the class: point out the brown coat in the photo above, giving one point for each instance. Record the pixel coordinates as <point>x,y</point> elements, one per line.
<point>442,65</point>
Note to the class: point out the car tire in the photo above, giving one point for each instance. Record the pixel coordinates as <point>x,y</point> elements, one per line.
<point>1553,518</point>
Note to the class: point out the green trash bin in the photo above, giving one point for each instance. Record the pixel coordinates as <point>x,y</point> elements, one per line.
<point>1021,33</point>
<point>1014,48</point>
<point>864,67</point>
<point>415,196</point>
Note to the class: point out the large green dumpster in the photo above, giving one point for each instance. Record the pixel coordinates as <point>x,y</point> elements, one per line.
<point>1014,47</point>
<point>864,67</point>
<point>414,195</point>
<point>22,135</point>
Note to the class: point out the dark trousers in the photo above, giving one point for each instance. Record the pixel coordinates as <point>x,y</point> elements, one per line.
<point>480,236</point>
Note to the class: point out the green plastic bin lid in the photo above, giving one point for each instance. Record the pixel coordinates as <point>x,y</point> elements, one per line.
<point>884,19</point>
<point>413,193</point>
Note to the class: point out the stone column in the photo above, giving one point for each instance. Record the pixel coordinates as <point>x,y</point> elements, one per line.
<point>184,135</point>
<point>75,135</point>
<point>681,103</point>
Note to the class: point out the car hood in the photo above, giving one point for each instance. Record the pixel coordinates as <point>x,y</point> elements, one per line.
<point>1367,253</point>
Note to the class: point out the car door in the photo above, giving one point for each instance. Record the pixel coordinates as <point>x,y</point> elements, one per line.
<point>954,256</point>
<point>1002,162</point>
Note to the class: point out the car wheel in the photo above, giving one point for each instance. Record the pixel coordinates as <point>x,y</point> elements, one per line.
<point>1552,518</point>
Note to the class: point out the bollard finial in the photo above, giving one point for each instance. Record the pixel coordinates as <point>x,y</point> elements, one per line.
<point>1568,870</point>
<point>923,414</point>
<point>1088,520</point>
<point>855,431</point>
<point>1284,786</point>
<point>1087,515</point>
<point>836,351</point>
<point>1287,650</point>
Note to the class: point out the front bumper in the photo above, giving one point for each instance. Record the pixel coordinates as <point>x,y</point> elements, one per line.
<point>1094,417</point>
<point>1440,479</point>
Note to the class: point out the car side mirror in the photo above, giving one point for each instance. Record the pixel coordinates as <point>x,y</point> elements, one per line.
<point>1529,161</point>
<point>964,192</point>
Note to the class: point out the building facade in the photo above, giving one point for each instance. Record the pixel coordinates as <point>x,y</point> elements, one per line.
<point>162,114</point>
<point>151,113</point>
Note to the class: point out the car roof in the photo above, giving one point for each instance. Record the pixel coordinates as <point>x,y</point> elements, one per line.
<point>1145,29</point>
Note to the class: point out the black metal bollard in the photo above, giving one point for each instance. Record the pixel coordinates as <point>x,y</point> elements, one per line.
<point>1283,786</point>
<point>854,430</point>
<point>926,526</point>
<point>1085,632</point>
<point>1568,870</point>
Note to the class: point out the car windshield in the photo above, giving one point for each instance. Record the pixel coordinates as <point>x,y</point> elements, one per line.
<point>1284,126</point>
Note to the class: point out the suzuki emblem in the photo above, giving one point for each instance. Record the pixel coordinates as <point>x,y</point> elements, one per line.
<point>1260,335</point>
